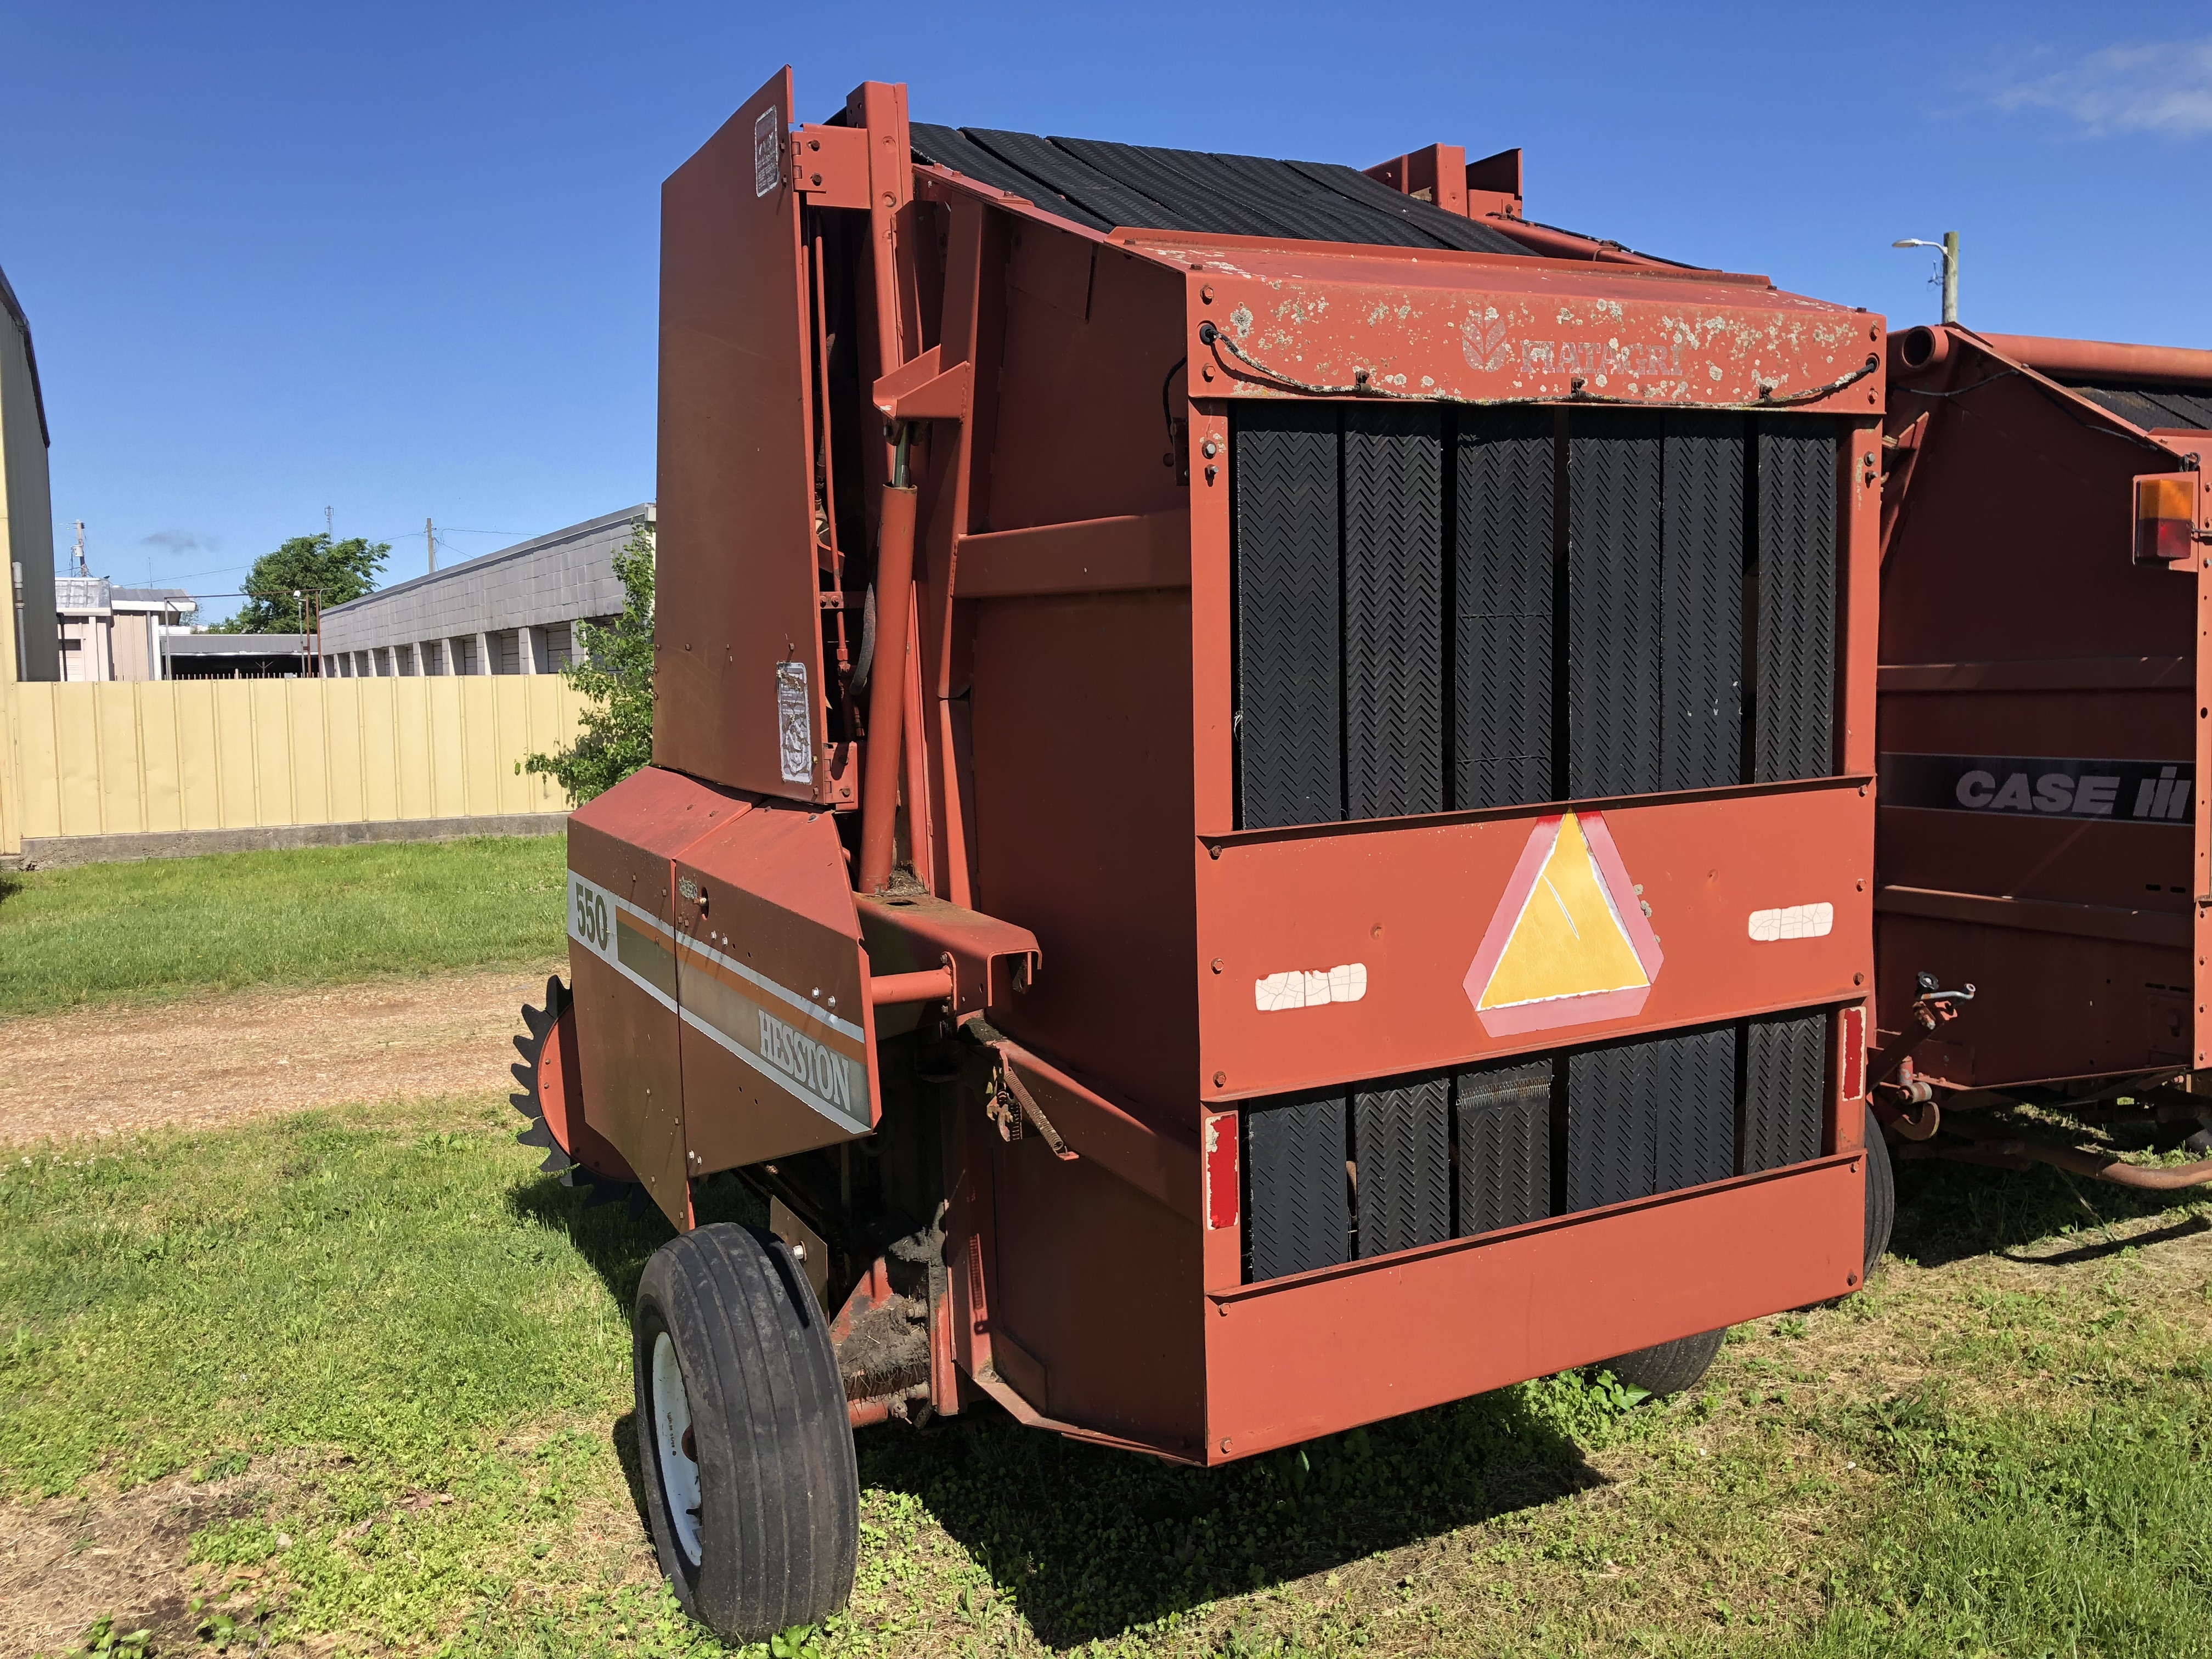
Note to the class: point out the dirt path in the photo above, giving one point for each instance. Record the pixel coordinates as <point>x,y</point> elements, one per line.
<point>68,1561</point>
<point>212,1061</point>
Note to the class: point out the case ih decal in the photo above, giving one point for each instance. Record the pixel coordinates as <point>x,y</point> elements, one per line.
<point>2131,792</point>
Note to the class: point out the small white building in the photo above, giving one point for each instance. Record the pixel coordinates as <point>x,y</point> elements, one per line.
<point>110,632</point>
<point>510,612</point>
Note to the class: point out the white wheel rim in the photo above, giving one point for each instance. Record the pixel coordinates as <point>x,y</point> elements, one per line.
<point>679,1470</point>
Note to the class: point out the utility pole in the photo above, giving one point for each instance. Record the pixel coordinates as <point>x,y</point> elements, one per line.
<point>82,568</point>
<point>1950,246</point>
<point>329,532</point>
<point>430,545</point>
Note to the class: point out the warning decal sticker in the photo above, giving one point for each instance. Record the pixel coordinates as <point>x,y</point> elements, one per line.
<point>768,152</point>
<point>1570,943</point>
<point>794,723</point>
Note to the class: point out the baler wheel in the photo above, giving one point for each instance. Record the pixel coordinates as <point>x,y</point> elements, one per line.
<point>548,1096</point>
<point>1668,1368</point>
<point>1881,1197</point>
<point>751,1487</point>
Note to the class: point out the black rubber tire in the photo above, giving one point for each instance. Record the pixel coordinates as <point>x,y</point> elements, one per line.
<point>779,1488</point>
<point>1881,1197</point>
<point>1668,1368</point>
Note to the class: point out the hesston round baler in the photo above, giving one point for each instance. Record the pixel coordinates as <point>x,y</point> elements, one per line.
<point>2045,680</point>
<point>1260,815</point>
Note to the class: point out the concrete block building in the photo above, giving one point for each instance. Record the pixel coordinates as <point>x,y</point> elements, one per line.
<point>510,612</point>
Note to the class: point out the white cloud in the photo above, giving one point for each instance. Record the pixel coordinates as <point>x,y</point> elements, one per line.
<point>2162,87</point>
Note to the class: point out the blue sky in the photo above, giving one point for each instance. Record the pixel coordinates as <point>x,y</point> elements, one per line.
<point>399,260</point>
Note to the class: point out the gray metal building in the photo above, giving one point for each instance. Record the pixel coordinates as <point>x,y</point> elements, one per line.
<point>236,656</point>
<point>29,648</point>
<point>509,613</point>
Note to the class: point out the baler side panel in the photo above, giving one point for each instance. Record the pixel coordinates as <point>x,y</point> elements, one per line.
<point>1080,431</point>
<point>777,1033</point>
<point>738,628</point>
<point>1082,744</point>
<point>1310,1356</point>
<point>1094,1282</point>
<point>622,956</point>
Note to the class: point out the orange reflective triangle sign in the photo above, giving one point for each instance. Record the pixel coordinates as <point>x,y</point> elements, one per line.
<point>1569,943</point>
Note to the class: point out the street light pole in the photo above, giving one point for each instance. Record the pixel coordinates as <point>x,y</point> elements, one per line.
<point>1950,246</point>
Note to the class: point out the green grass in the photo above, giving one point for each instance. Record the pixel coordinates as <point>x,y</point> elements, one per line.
<point>406,1352</point>
<point>170,927</point>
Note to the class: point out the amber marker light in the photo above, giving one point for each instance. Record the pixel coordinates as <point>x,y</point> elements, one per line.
<point>2165,518</point>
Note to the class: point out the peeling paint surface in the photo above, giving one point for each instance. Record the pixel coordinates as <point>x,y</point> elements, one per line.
<point>1467,329</point>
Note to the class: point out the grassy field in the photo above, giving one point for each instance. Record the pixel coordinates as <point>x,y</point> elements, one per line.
<point>379,1366</point>
<point>169,927</point>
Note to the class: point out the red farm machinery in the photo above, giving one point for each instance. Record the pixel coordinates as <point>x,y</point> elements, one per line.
<point>2045,675</point>
<point>1261,813</point>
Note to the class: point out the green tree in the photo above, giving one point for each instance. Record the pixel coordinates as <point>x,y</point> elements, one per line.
<point>612,666</point>
<point>337,570</point>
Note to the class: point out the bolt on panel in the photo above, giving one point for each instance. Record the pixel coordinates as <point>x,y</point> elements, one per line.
<point>1504,563</point>
<point>1298,1210</point>
<point>1394,714</point>
<point>1401,1138</point>
<point>1289,753</point>
<point>1785,1090</point>
<point>1795,717</point>
<point>1701,604</point>
<point>1504,1121</point>
<point>1650,1115</point>
<point>1615,469</point>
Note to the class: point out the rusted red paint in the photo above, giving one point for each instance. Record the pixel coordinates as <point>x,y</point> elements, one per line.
<point>2016,626</point>
<point>1058,739</point>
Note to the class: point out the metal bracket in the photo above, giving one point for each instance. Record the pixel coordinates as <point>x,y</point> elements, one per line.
<point>1011,1104</point>
<point>907,932</point>
<point>1935,1008</point>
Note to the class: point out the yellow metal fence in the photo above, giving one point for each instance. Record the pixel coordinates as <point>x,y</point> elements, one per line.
<point>182,755</point>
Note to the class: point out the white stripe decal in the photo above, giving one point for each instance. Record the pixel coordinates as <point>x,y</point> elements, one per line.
<point>806,1005</point>
<point>830,1083</point>
<point>783,1080</point>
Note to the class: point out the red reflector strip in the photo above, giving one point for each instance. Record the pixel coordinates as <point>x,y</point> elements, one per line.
<point>1853,1066</point>
<point>1220,1134</point>
<point>2166,540</point>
